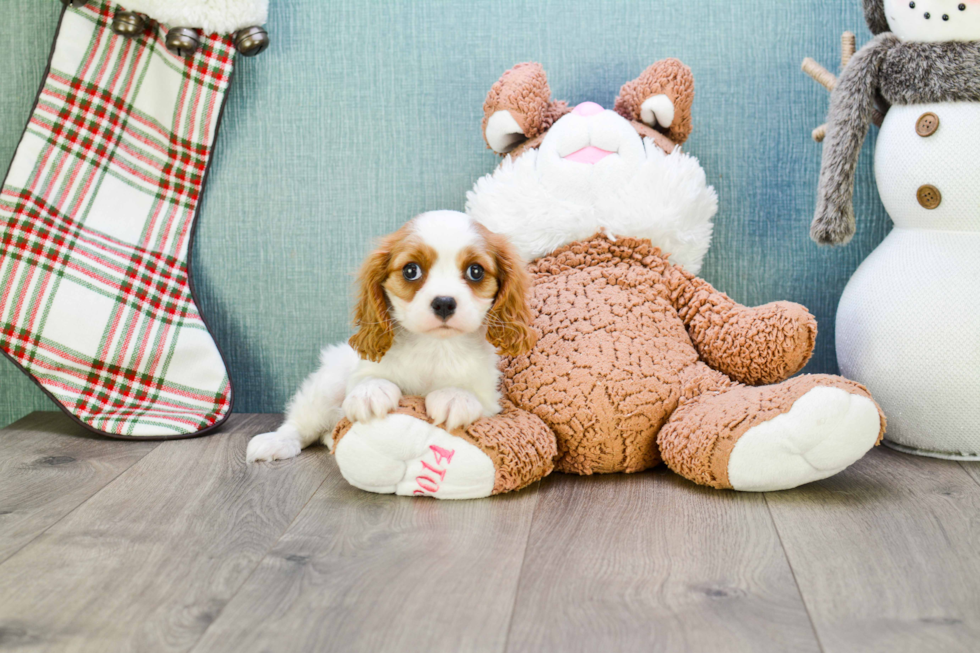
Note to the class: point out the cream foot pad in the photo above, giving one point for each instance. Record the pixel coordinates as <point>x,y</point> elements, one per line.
<point>406,456</point>
<point>825,431</point>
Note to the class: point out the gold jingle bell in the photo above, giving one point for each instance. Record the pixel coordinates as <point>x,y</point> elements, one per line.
<point>183,41</point>
<point>252,41</point>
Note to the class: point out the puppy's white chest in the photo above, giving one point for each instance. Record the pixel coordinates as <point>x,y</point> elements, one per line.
<point>421,365</point>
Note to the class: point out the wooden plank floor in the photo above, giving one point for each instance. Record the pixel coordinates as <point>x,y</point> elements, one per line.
<point>179,546</point>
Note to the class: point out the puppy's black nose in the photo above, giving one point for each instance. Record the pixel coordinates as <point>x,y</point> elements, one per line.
<point>444,307</point>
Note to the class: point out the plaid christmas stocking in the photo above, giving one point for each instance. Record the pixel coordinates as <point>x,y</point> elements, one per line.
<point>97,215</point>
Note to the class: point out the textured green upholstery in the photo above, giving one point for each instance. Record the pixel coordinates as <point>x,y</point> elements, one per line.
<point>366,112</point>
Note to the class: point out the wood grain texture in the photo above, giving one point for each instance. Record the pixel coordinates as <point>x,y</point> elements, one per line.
<point>654,563</point>
<point>188,549</point>
<point>973,469</point>
<point>363,572</point>
<point>887,554</point>
<point>48,467</point>
<point>149,562</point>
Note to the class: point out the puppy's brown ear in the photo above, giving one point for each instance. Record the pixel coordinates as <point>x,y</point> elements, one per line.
<point>509,320</point>
<point>376,333</point>
<point>518,110</point>
<point>671,78</point>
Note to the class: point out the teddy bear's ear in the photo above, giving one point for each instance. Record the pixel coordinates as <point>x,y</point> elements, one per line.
<point>519,109</point>
<point>660,98</point>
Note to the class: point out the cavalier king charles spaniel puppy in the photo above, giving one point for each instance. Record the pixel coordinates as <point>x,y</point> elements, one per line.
<point>439,300</point>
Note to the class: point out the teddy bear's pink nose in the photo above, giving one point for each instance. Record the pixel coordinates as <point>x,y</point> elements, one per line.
<point>587,109</point>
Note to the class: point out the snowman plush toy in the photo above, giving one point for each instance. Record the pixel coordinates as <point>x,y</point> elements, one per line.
<point>908,326</point>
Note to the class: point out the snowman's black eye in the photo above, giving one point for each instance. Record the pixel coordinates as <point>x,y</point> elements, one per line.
<point>412,272</point>
<point>962,7</point>
<point>911,5</point>
<point>475,272</point>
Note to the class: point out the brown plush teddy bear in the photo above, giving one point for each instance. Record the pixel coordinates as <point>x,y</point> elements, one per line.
<point>638,360</point>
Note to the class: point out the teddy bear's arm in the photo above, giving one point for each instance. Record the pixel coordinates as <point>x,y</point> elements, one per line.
<point>756,346</point>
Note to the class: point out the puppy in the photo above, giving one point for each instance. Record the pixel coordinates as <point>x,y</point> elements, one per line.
<point>438,300</point>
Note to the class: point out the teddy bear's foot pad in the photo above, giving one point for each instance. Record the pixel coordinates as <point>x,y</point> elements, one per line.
<point>409,457</point>
<point>826,430</point>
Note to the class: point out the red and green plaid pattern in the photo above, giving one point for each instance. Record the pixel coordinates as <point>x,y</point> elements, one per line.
<point>96,216</point>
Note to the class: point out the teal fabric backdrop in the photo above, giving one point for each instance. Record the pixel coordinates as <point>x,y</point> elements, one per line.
<point>366,112</point>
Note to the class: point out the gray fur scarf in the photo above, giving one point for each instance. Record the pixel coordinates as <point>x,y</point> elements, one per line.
<point>900,73</point>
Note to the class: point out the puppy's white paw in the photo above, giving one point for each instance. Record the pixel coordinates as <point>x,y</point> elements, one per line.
<point>371,399</point>
<point>453,407</point>
<point>657,110</point>
<point>278,445</point>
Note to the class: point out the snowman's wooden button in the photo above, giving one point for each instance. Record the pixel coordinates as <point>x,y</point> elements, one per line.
<point>927,125</point>
<point>929,197</point>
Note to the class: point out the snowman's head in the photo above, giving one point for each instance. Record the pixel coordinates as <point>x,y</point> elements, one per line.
<point>595,170</point>
<point>927,21</point>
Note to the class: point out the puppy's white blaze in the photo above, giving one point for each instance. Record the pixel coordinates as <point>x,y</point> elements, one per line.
<point>447,233</point>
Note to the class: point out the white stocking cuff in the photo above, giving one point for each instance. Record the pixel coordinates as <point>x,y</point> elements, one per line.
<point>210,16</point>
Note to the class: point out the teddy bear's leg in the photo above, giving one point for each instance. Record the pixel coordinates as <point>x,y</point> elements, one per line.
<point>761,439</point>
<point>405,454</point>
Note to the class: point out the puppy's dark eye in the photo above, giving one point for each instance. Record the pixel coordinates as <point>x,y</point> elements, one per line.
<point>412,272</point>
<point>475,272</point>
